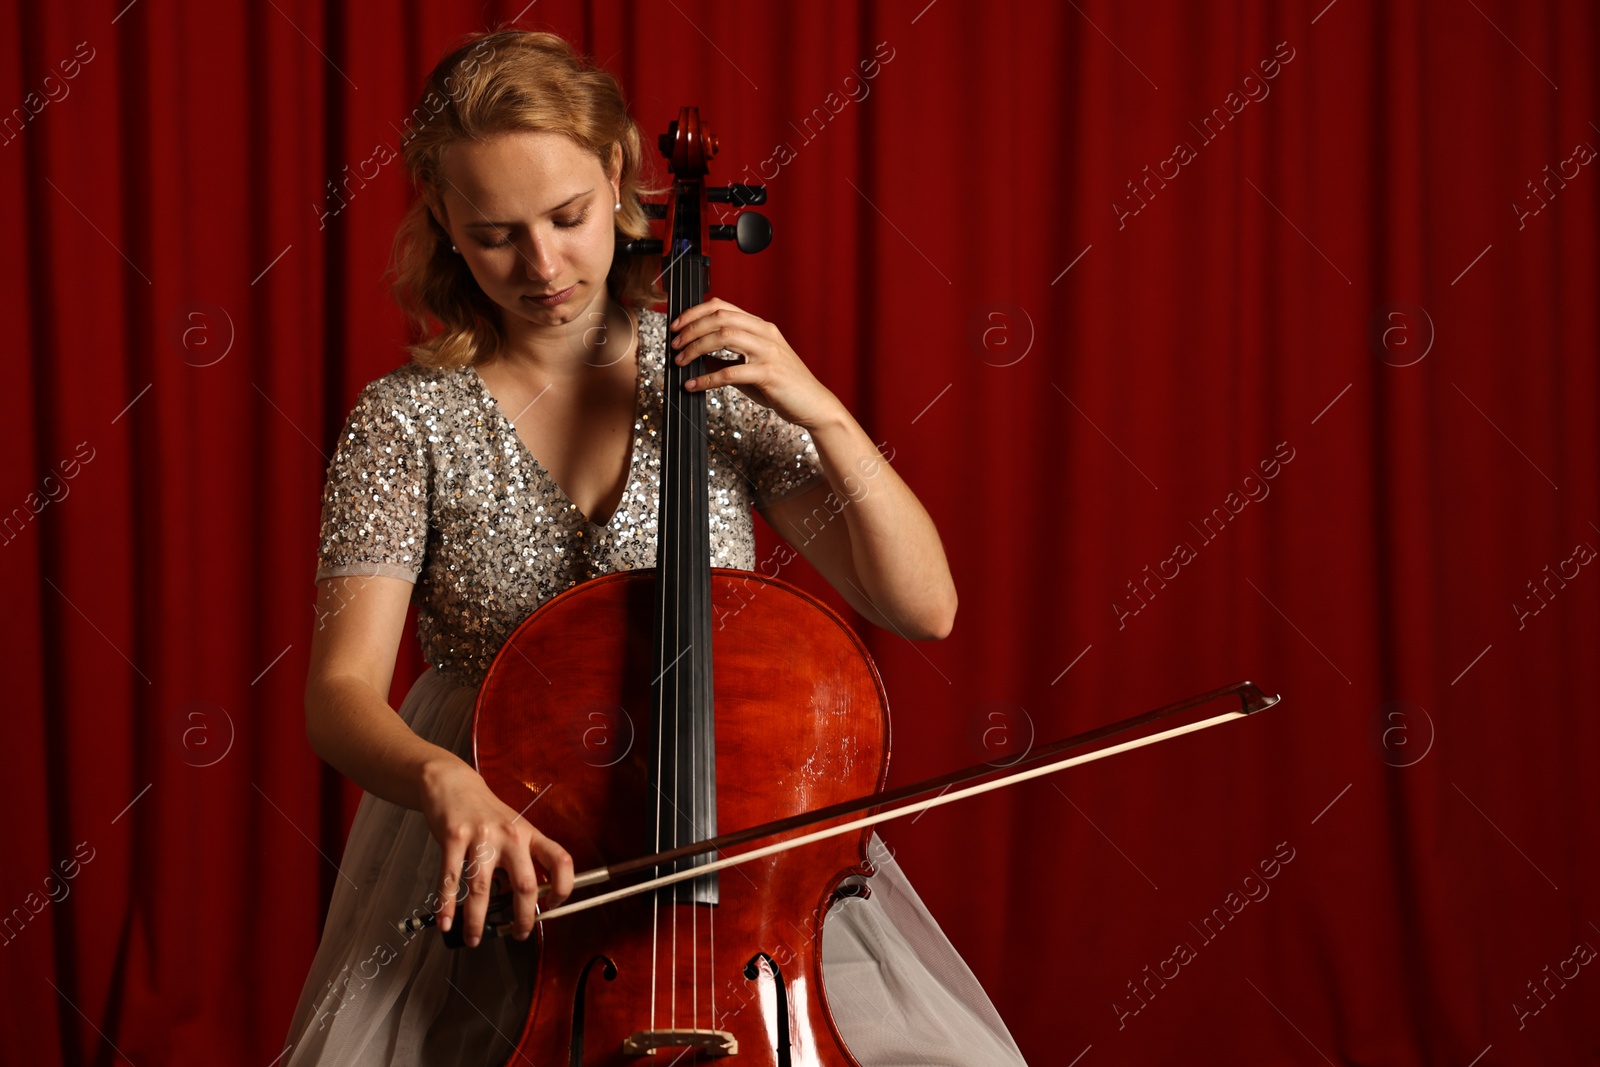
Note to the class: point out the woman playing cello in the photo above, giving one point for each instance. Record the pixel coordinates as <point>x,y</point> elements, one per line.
<point>514,457</point>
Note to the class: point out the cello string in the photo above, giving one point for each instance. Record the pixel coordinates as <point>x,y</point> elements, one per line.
<point>683,680</point>
<point>667,775</point>
<point>686,601</point>
<point>664,510</point>
<point>677,637</point>
<point>701,706</point>
<point>657,740</point>
<point>703,450</point>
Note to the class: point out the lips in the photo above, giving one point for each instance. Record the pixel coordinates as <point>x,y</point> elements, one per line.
<point>554,297</point>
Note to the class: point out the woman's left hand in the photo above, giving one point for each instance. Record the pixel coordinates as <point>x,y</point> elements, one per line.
<point>772,374</point>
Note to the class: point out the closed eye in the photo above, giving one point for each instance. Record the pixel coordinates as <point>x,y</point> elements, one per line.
<point>568,223</point>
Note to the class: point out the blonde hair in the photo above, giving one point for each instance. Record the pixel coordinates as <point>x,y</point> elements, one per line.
<point>497,82</point>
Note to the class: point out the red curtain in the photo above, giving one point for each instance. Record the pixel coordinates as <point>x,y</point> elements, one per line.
<point>1221,341</point>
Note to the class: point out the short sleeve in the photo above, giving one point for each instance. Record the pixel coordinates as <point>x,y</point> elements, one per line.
<point>777,456</point>
<point>375,501</point>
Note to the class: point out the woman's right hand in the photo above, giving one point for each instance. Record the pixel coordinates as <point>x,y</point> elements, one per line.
<point>466,818</point>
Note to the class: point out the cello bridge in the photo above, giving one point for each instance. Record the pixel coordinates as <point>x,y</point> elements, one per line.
<point>706,1042</point>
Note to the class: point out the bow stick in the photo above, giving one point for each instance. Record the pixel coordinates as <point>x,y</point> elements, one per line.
<point>1251,700</point>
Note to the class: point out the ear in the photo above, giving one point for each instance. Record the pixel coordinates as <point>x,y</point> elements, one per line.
<point>436,209</point>
<point>614,171</point>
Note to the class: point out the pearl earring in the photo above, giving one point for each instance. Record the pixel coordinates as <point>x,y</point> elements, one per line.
<point>618,207</point>
<point>456,250</point>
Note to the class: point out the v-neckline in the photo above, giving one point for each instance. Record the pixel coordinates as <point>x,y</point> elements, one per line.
<point>633,439</point>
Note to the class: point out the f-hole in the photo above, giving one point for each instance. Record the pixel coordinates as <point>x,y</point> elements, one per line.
<point>753,972</point>
<point>575,1056</point>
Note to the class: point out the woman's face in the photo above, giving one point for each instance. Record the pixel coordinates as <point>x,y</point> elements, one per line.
<point>531,212</point>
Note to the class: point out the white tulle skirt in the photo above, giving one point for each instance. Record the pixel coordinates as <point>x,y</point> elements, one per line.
<point>899,992</point>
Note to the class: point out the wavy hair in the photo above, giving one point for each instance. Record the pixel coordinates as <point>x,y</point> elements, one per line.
<point>498,82</point>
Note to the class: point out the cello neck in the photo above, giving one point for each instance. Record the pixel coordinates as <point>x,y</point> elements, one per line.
<point>683,760</point>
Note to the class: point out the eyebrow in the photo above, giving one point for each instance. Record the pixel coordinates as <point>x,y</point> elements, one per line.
<point>558,207</point>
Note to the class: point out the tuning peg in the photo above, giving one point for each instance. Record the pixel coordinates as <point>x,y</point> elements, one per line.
<point>751,233</point>
<point>738,194</point>
<point>641,246</point>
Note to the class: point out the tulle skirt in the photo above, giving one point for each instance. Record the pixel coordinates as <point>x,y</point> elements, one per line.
<point>376,997</point>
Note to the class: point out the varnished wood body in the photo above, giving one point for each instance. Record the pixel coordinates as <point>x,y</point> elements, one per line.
<point>801,722</point>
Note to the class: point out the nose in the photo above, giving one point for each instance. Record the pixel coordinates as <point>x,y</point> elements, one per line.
<point>541,258</point>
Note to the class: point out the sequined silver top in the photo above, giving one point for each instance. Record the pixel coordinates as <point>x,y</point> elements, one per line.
<point>431,483</point>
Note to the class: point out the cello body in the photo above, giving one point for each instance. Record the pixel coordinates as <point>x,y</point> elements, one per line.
<point>562,729</point>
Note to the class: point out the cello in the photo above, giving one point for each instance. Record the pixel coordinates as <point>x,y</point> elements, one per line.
<point>793,718</point>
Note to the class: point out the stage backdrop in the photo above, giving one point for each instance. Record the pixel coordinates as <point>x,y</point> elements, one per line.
<point>1222,341</point>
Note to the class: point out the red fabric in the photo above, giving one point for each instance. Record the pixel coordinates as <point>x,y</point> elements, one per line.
<point>1421,550</point>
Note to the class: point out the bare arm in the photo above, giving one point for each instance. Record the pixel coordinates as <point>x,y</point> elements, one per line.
<point>869,536</point>
<point>350,724</point>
